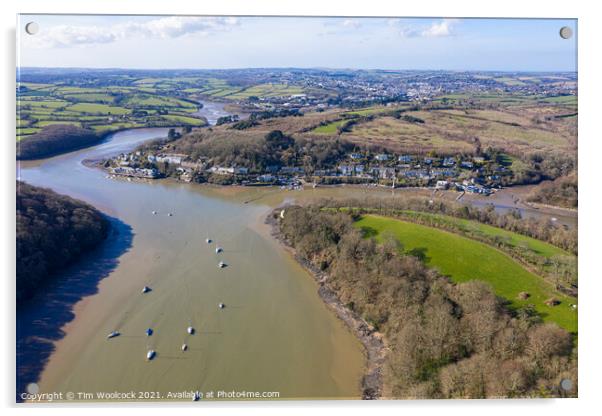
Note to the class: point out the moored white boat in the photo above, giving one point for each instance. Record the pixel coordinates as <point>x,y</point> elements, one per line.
<point>150,354</point>
<point>113,334</point>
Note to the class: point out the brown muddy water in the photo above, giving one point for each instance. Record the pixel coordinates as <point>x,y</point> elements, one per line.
<point>274,335</point>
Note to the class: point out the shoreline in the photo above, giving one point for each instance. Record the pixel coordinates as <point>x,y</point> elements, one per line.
<point>102,137</point>
<point>371,383</point>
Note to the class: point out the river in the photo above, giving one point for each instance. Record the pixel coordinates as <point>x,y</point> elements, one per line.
<point>213,110</point>
<point>274,335</point>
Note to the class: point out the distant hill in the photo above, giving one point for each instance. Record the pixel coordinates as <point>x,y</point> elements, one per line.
<point>52,231</point>
<point>54,139</point>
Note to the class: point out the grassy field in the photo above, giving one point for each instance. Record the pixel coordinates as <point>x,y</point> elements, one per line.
<point>104,109</point>
<point>330,128</point>
<point>514,239</point>
<point>218,88</point>
<point>93,108</point>
<point>463,259</point>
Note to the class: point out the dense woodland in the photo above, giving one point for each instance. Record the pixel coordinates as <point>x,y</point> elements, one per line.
<point>54,139</point>
<point>52,231</point>
<point>258,152</point>
<point>446,340</point>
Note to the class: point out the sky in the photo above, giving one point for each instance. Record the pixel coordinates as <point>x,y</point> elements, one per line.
<point>166,42</point>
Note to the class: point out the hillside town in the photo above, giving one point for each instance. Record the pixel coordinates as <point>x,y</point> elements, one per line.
<point>331,88</point>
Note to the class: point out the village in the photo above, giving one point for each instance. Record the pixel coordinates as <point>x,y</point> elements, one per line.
<point>472,174</point>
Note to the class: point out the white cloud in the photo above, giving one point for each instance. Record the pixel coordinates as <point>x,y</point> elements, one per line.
<point>161,28</point>
<point>440,28</point>
<point>352,23</point>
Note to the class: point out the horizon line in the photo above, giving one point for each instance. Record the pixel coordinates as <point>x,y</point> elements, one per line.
<point>297,67</point>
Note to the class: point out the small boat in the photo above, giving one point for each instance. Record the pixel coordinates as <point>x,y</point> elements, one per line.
<point>169,214</point>
<point>209,241</point>
<point>190,330</point>
<point>146,289</point>
<point>149,332</point>
<point>150,355</point>
<point>218,250</point>
<point>221,264</point>
<point>184,347</point>
<point>154,212</point>
<point>196,397</point>
<point>113,334</point>
<point>221,306</point>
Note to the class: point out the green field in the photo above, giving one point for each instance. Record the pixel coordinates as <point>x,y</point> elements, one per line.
<point>330,128</point>
<point>367,111</point>
<point>539,247</point>
<point>464,259</point>
<point>93,108</point>
<point>104,109</point>
<point>178,119</point>
<point>51,122</point>
<point>148,100</point>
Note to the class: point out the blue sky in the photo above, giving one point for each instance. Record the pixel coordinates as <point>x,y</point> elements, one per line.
<point>243,42</point>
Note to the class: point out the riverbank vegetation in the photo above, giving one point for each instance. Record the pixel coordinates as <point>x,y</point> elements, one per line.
<point>54,139</point>
<point>560,192</point>
<point>446,339</point>
<point>53,230</point>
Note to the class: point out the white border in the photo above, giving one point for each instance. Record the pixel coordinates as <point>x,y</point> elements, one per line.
<point>590,156</point>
